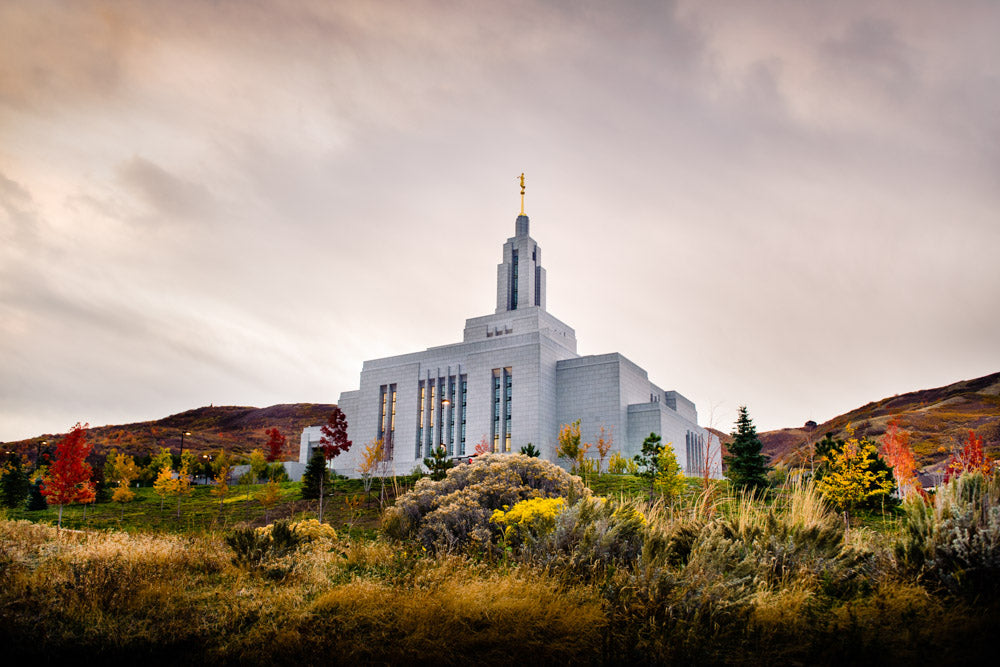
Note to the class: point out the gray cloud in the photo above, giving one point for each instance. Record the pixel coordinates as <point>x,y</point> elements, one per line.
<point>17,203</point>
<point>170,196</point>
<point>872,49</point>
<point>788,205</point>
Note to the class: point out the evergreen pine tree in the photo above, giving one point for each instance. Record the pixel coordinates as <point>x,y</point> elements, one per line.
<point>439,463</point>
<point>36,501</point>
<point>648,462</point>
<point>746,466</point>
<point>315,477</point>
<point>529,450</point>
<point>15,485</point>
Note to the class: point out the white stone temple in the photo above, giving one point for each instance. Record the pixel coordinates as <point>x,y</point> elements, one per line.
<point>514,379</point>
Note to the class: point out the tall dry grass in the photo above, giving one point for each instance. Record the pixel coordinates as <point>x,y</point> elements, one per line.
<point>173,599</point>
<point>713,579</point>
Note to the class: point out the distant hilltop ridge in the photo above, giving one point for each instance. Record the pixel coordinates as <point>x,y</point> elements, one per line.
<point>235,428</point>
<point>937,420</point>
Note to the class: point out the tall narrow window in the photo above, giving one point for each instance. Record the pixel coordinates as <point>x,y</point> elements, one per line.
<point>387,444</point>
<point>496,409</point>
<point>451,415</point>
<point>507,392</point>
<point>463,384</point>
<point>441,410</point>
<point>431,408</point>
<point>381,412</point>
<point>420,417</point>
<point>513,282</point>
<point>538,285</point>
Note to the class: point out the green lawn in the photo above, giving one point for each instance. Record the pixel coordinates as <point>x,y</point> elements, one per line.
<point>201,511</point>
<point>346,508</point>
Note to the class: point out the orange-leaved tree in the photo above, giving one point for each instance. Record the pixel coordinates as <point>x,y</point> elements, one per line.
<point>221,487</point>
<point>370,457</point>
<point>605,439</point>
<point>569,445</point>
<point>482,447</point>
<point>899,456</point>
<point>68,479</point>
<point>275,445</point>
<point>269,496</point>
<point>971,458</point>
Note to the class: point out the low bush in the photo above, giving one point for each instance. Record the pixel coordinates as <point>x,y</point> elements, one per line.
<point>590,535</point>
<point>954,543</point>
<point>454,513</point>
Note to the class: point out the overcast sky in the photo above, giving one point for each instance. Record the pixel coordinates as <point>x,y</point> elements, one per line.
<point>789,205</point>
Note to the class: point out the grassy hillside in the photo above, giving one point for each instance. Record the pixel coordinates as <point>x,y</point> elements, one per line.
<point>937,419</point>
<point>235,428</point>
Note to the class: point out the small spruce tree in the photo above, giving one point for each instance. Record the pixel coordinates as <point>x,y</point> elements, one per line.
<point>648,462</point>
<point>36,501</point>
<point>15,484</point>
<point>439,463</point>
<point>315,477</point>
<point>747,468</point>
<point>529,450</point>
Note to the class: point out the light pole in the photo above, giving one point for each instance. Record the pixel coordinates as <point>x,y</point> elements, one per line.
<point>206,462</point>
<point>38,451</point>
<point>445,404</point>
<point>183,433</point>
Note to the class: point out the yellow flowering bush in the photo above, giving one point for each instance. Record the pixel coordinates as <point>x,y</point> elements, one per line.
<point>311,529</point>
<point>306,530</point>
<point>532,517</point>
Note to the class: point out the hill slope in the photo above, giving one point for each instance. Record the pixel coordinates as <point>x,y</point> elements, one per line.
<point>235,428</point>
<point>937,419</point>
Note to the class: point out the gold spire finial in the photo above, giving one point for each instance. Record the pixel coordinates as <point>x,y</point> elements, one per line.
<point>522,192</point>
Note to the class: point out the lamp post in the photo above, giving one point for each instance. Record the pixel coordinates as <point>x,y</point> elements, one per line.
<point>445,404</point>
<point>183,433</point>
<point>206,462</point>
<point>38,451</point>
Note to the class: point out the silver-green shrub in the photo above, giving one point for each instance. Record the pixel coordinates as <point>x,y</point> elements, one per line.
<point>590,535</point>
<point>955,542</point>
<point>455,512</point>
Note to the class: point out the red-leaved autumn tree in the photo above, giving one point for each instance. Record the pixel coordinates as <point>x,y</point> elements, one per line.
<point>68,479</point>
<point>970,458</point>
<point>898,455</point>
<point>334,441</point>
<point>275,444</point>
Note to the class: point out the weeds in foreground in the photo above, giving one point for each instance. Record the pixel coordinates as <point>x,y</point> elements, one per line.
<point>713,579</point>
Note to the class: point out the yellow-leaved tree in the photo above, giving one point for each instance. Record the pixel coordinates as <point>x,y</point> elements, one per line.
<point>122,494</point>
<point>269,496</point>
<point>165,484</point>
<point>221,487</point>
<point>669,478</point>
<point>258,465</point>
<point>183,486</point>
<point>370,457</point>
<point>569,445</point>
<point>852,476</point>
<point>124,470</point>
